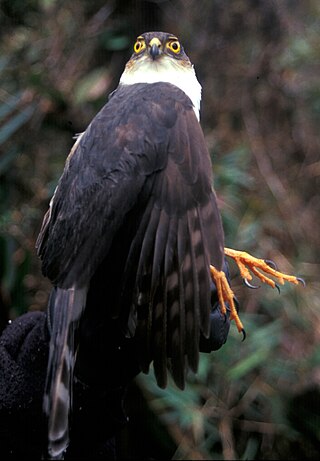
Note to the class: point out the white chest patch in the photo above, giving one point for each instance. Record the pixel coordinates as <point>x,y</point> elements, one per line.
<point>168,71</point>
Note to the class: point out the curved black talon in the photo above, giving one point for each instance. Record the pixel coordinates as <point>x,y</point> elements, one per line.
<point>244,334</point>
<point>303,283</point>
<point>253,287</point>
<point>277,287</point>
<point>271,263</point>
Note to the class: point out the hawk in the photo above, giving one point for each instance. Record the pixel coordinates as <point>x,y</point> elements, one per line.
<point>133,233</point>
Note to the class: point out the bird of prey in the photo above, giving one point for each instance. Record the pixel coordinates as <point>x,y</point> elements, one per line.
<point>133,232</point>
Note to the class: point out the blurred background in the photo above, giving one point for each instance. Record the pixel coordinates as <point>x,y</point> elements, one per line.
<point>259,65</point>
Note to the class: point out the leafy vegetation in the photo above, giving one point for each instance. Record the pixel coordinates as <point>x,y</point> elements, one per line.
<point>258,62</point>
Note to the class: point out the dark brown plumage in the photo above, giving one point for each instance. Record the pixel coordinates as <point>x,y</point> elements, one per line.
<point>136,195</point>
<point>130,235</point>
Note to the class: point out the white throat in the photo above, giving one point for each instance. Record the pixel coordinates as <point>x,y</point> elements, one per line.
<point>184,77</point>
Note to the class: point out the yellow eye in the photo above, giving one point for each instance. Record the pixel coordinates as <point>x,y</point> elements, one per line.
<point>174,46</point>
<point>139,46</point>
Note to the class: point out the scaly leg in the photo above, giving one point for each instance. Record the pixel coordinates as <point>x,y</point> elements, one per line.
<point>225,294</point>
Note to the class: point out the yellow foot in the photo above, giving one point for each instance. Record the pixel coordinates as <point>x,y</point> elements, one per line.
<point>247,263</point>
<point>225,295</point>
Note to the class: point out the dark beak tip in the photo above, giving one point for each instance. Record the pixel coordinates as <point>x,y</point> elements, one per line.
<point>154,51</point>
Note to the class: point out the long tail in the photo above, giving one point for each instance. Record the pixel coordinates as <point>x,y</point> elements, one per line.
<point>64,311</point>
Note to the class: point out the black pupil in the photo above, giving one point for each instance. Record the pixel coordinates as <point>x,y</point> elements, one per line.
<point>174,46</point>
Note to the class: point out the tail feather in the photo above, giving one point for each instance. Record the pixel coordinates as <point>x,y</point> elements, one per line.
<point>66,307</point>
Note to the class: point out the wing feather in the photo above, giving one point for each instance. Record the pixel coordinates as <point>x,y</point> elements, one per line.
<point>191,274</point>
<point>158,338</point>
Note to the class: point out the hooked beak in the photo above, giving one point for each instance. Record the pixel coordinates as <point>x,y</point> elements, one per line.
<point>155,48</point>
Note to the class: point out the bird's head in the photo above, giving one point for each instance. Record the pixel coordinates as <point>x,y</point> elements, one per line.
<point>160,57</point>
<point>159,48</point>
